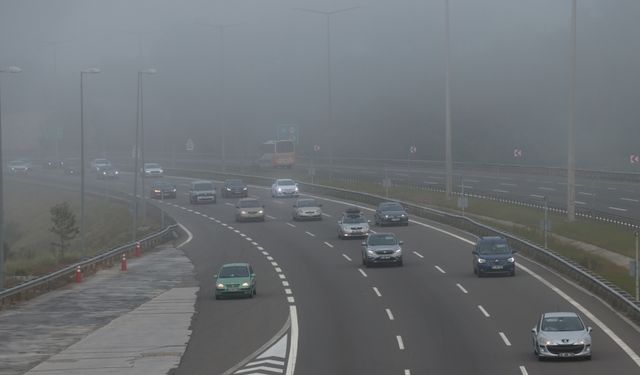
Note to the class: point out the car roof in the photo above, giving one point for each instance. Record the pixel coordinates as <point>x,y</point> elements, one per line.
<point>234,265</point>
<point>160,182</point>
<point>284,180</point>
<point>380,234</point>
<point>492,239</point>
<point>559,314</point>
<point>201,182</point>
<point>248,200</point>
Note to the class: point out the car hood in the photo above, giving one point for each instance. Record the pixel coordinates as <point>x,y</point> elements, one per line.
<point>355,225</point>
<point>496,256</point>
<point>564,337</point>
<point>393,213</point>
<point>286,187</point>
<point>315,209</point>
<point>233,280</point>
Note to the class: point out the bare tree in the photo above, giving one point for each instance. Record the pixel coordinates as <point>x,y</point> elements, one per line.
<point>64,226</point>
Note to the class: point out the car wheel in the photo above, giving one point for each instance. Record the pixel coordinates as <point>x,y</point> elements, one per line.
<point>364,262</point>
<point>406,224</point>
<point>255,291</point>
<point>217,296</point>
<point>588,358</point>
<point>475,271</point>
<point>400,263</point>
<point>513,273</point>
<point>479,273</point>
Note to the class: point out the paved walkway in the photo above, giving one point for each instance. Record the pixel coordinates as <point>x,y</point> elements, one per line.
<point>76,323</point>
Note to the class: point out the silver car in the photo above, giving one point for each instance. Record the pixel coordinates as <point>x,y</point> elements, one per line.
<point>353,224</point>
<point>249,209</point>
<point>561,335</point>
<point>284,188</point>
<point>381,248</point>
<point>202,192</point>
<point>152,170</point>
<point>307,209</point>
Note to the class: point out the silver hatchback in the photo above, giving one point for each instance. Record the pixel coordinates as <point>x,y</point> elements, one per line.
<point>561,335</point>
<point>381,248</point>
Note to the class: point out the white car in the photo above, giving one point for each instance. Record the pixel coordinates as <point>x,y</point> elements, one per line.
<point>284,188</point>
<point>152,170</point>
<point>307,209</point>
<point>97,164</point>
<point>561,335</point>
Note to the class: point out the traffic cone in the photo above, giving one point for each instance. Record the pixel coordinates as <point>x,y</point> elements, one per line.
<point>123,263</point>
<point>138,250</point>
<point>78,275</point>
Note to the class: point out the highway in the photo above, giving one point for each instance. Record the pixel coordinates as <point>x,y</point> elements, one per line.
<point>430,316</point>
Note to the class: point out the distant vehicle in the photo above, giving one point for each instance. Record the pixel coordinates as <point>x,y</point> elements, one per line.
<point>152,170</point>
<point>107,173</point>
<point>307,209</point>
<point>202,192</point>
<point>380,248</point>
<point>492,254</point>
<point>249,209</point>
<point>284,188</point>
<point>234,188</point>
<point>235,279</point>
<point>390,213</point>
<point>353,224</point>
<point>277,154</point>
<point>52,163</point>
<point>99,163</point>
<point>71,166</point>
<point>163,189</point>
<point>561,335</point>
<point>19,166</point>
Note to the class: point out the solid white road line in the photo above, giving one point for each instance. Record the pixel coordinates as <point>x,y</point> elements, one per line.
<point>328,244</point>
<point>288,291</point>
<point>462,288</point>
<point>310,234</point>
<point>484,312</point>
<point>293,346</point>
<point>400,343</point>
<point>418,254</point>
<point>618,209</point>
<point>282,276</point>
<point>362,272</point>
<point>291,299</point>
<point>346,257</point>
<point>440,269</point>
<point>504,338</point>
<point>291,225</point>
<point>189,236</point>
<point>389,314</point>
<point>523,370</point>
<point>377,292</point>
<point>271,217</point>
<point>630,200</point>
<point>536,196</point>
<point>285,283</point>
<point>604,328</point>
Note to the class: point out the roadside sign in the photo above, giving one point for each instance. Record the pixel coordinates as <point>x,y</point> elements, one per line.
<point>517,153</point>
<point>386,182</point>
<point>463,202</point>
<point>413,149</point>
<point>190,146</point>
<point>634,159</point>
<point>312,171</point>
<point>289,132</point>
<point>316,148</point>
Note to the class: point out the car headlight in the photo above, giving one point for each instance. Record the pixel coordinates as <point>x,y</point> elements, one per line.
<point>117,172</point>
<point>244,188</point>
<point>511,260</point>
<point>261,212</point>
<point>398,251</point>
<point>480,260</point>
<point>386,216</point>
<point>220,286</point>
<point>174,190</point>
<point>228,189</point>
<point>156,191</point>
<point>243,212</point>
<point>296,188</point>
<point>403,215</point>
<point>279,190</point>
<point>370,252</point>
<point>245,285</point>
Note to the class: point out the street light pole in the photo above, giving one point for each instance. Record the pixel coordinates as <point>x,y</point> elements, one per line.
<point>11,69</point>
<point>82,163</point>
<point>330,126</point>
<point>139,150</point>
<point>447,91</point>
<point>571,162</point>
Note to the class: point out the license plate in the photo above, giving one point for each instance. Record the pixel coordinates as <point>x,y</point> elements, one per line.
<point>395,219</point>
<point>233,289</point>
<point>385,258</point>
<point>565,354</point>
<point>496,267</point>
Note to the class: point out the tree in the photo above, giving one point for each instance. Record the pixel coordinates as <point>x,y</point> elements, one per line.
<point>64,226</point>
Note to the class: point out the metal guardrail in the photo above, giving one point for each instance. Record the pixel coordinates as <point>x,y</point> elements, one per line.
<point>108,258</point>
<point>609,292</point>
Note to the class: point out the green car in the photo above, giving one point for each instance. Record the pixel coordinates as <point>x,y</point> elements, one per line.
<point>235,279</point>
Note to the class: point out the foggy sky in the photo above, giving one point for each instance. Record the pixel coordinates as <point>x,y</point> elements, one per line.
<point>509,77</point>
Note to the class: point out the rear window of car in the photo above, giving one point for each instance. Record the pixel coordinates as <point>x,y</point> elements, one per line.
<point>234,271</point>
<point>203,186</point>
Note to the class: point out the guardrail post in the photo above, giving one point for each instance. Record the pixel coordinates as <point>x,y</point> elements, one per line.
<point>123,262</point>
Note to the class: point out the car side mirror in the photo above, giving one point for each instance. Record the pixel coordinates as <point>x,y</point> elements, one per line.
<point>589,329</point>
<point>474,252</point>
<point>215,276</point>
<point>364,243</point>
<point>400,242</point>
<point>514,251</point>
<point>339,221</point>
<point>534,330</point>
<point>253,275</point>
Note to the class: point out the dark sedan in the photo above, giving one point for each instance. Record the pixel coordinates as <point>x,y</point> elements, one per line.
<point>163,189</point>
<point>390,213</point>
<point>234,188</point>
<point>107,173</point>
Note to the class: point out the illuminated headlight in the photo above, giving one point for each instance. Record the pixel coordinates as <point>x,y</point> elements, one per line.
<point>403,215</point>
<point>480,260</point>
<point>156,191</point>
<point>261,212</point>
<point>370,252</point>
<point>228,189</point>
<point>104,172</point>
<point>117,172</point>
<point>295,188</point>
<point>245,285</point>
<point>244,188</point>
<point>279,190</point>
<point>511,260</point>
<point>161,171</point>
<point>243,212</point>
<point>220,286</point>
<point>398,251</point>
<point>174,190</point>
<point>386,216</point>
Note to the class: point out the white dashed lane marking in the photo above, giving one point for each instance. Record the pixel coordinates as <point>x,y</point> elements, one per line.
<point>362,272</point>
<point>462,288</point>
<point>326,215</point>
<point>618,209</point>
<point>346,257</point>
<point>630,200</point>
<point>282,276</point>
<point>291,225</point>
<point>400,342</point>
<point>328,244</point>
<point>523,370</point>
<point>291,299</point>
<point>285,283</point>
<point>271,217</point>
<point>310,234</point>
<point>288,291</point>
<point>484,312</point>
<point>389,314</point>
<point>440,269</point>
<point>504,338</point>
<point>377,292</point>
<point>418,254</point>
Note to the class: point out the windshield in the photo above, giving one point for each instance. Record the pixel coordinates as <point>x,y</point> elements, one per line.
<point>203,186</point>
<point>286,182</point>
<point>234,183</point>
<point>152,165</point>
<point>493,247</point>
<point>307,203</point>
<point>562,323</point>
<point>382,240</point>
<point>234,271</point>
<point>353,220</point>
<point>391,207</point>
<point>102,162</point>
<point>249,203</point>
